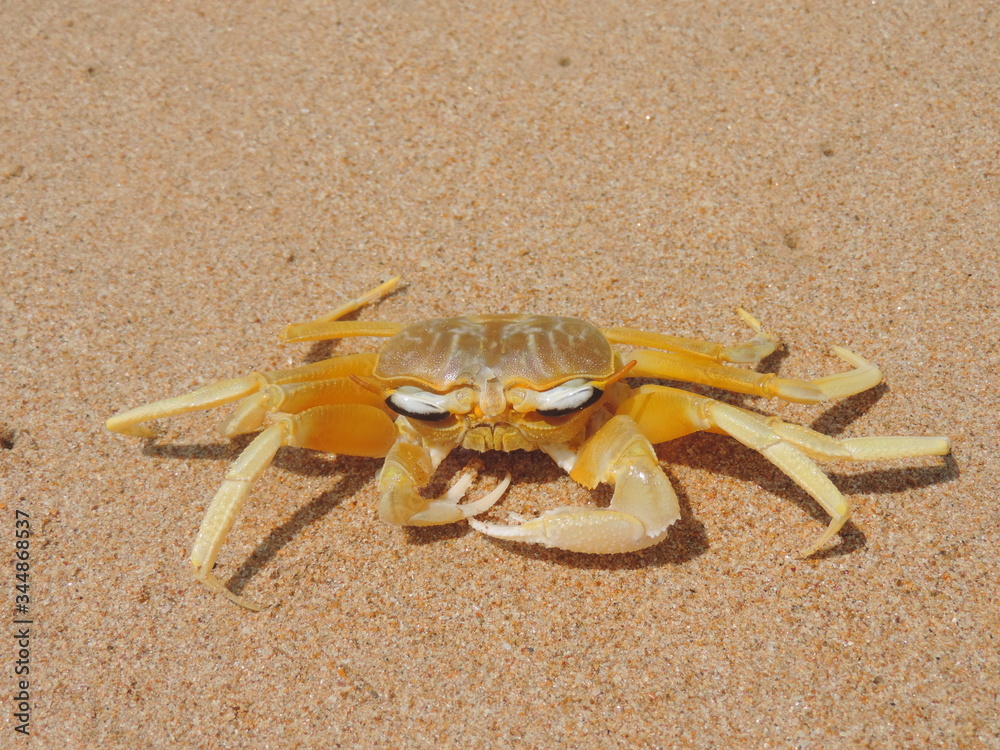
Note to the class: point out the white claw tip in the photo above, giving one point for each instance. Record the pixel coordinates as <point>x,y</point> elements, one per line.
<point>457,491</point>
<point>487,501</point>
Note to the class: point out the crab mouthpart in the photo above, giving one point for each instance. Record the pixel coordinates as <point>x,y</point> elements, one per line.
<point>499,437</point>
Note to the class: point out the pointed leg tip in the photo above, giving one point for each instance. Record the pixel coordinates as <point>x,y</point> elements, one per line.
<point>131,430</point>
<point>832,530</point>
<point>216,586</point>
<point>241,601</point>
<point>845,354</point>
<point>749,319</point>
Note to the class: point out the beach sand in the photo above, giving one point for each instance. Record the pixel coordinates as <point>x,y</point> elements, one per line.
<point>180,180</point>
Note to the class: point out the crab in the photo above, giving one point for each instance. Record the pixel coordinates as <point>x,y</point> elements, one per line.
<point>528,382</point>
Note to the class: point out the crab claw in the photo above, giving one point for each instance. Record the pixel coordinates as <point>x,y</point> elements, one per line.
<point>446,508</point>
<point>408,467</point>
<point>457,491</point>
<point>642,509</point>
<point>593,530</point>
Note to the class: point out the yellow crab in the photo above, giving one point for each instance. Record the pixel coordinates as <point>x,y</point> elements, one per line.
<point>504,382</point>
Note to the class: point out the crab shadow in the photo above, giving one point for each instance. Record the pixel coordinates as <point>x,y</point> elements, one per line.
<point>686,540</point>
<point>352,472</point>
<point>720,454</point>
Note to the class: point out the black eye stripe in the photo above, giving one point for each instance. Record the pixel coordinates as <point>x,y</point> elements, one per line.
<point>428,417</point>
<point>594,397</point>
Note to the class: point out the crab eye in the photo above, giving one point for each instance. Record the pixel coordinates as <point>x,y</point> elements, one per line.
<point>417,404</point>
<point>568,398</point>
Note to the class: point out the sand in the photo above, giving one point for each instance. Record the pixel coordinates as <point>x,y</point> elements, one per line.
<point>180,180</point>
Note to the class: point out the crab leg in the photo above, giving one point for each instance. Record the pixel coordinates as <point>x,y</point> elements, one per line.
<point>670,366</point>
<point>293,398</point>
<point>358,302</point>
<point>750,352</point>
<point>665,413</point>
<point>226,391</point>
<point>351,429</point>
<point>324,330</point>
<point>409,466</point>
<point>329,327</point>
<point>642,508</point>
